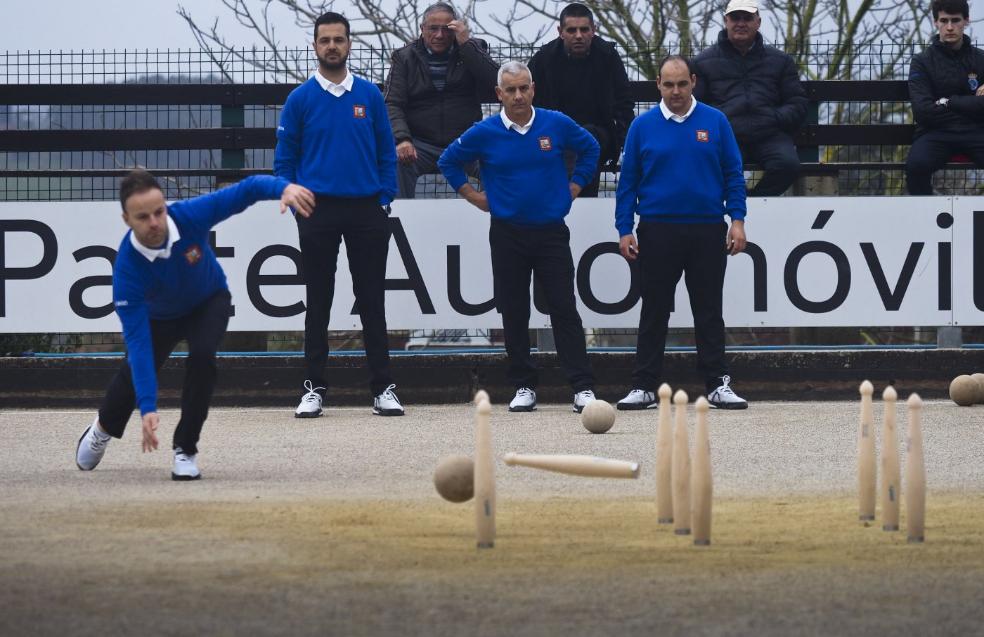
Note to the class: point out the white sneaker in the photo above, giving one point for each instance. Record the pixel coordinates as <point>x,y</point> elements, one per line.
<point>91,447</point>
<point>638,399</point>
<point>725,398</point>
<point>387,404</point>
<point>310,406</point>
<point>581,400</point>
<point>185,466</point>
<point>524,400</point>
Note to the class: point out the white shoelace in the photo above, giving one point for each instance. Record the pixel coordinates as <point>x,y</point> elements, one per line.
<point>725,388</point>
<point>587,394</point>
<point>312,396</point>
<point>524,392</point>
<point>388,394</point>
<point>97,442</point>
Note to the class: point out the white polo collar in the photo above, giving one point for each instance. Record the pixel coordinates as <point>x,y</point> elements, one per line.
<point>668,114</point>
<point>509,124</point>
<point>335,89</point>
<point>173,236</point>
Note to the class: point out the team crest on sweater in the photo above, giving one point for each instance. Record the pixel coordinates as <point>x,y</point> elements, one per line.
<point>546,144</point>
<point>703,136</point>
<point>193,255</point>
<point>359,111</point>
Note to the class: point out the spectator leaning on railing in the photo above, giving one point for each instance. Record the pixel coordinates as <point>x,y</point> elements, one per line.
<point>945,87</point>
<point>434,92</point>
<point>758,88</point>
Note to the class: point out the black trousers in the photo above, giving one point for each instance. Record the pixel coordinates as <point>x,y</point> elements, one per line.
<point>930,152</point>
<point>203,328</point>
<point>543,251</point>
<point>364,225</point>
<point>776,154</point>
<point>697,251</point>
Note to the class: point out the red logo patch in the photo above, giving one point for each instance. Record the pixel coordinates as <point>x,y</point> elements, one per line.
<point>546,144</point>
<point>193,255</point>
<point>359,111</point>
<point>702,136</point>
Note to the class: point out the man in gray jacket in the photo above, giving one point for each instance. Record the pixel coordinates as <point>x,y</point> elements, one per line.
<point>434,92</point>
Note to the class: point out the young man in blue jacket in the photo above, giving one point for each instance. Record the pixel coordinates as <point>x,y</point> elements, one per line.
<point>334,138</point>
<point>681,173</point>
<point>521,159</point>
<point>167,287</point>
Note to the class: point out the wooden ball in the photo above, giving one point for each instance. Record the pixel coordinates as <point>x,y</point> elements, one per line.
<point>963,390</point>
<point>598,416</point>
<point>979,377</point>
<point>454,478</point>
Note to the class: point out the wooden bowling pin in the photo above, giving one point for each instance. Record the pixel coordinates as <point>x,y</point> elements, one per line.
<point>915,473</point>
<point>664,459</point>
<point>866,456</point>
<point>891,478</point>
<point>701,481</point>
<point>681,466</point>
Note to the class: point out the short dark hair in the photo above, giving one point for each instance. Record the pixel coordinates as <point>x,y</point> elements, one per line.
<point>136,181</point>
<point>673,57</point>
<point>331,18</point>
<point>438,7</point>
<point>576,10</point>
<point>951,6</point>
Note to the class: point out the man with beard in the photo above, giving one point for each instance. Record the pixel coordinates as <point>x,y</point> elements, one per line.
<point>334,138</point>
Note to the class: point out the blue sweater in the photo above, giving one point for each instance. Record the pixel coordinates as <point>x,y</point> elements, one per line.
<point>337,146</point>
<point>524,176</point>
<point>674,172</point>
<point>173,287</point>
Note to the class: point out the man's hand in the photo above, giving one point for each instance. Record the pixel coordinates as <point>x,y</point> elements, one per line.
<point>980,90</point>
<point>405,152</point>
<point>150,422</point>
<point>478,199</point>
<point>575,190</point>
<point>299,198</point>
<point>460,30</point>
<point>736,238</point>
<point>628,247</point>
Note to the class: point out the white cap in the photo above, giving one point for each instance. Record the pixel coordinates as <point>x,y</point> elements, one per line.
<point>750,6</point>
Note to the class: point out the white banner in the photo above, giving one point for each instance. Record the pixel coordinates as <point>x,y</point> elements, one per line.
<point>838,261</point>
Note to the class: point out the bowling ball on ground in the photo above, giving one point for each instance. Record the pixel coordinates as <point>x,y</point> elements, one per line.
<point>979,377</point>
<point>598,416</point>
<point>963,390</point>
<point>454,478</point>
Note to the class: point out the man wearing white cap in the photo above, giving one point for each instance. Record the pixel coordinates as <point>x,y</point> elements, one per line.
<point>758,88</point>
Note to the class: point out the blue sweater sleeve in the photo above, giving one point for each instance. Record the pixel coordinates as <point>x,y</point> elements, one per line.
<point>734,177</point>
<point>385,149</point>
<point>588,151</point>
<point>208,210</point>
<point>128,297</point>
<point>458,153</point>
<point>627,192</point>
<point>288,152</point>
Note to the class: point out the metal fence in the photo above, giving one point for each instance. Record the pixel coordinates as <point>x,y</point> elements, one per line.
<point>878,61</point>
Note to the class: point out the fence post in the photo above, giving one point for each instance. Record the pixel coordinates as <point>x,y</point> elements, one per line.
<point>232,117</point>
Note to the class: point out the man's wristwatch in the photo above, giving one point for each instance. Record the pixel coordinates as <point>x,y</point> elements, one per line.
<point>943,101</point>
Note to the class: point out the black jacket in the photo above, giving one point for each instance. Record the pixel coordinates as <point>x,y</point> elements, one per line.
<point>760,91</point>
<point>417,109</point>
<point>942,72</point>
<point>606,81</point>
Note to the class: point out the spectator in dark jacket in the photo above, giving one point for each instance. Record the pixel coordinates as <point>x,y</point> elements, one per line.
<point>582,76</point>
<point>758,88</point>
<point>947,98</point>
<point>434,92</point>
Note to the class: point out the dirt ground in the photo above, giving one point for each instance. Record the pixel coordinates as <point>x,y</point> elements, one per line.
<point>332,527</point>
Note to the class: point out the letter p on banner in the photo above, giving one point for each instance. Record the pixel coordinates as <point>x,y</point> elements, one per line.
<point>48,256</point>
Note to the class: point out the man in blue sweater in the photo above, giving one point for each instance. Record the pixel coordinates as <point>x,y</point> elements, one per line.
<point>168,286</point>
<point>681,173</point>
<point>521,159</point>
<point>334,138</point>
